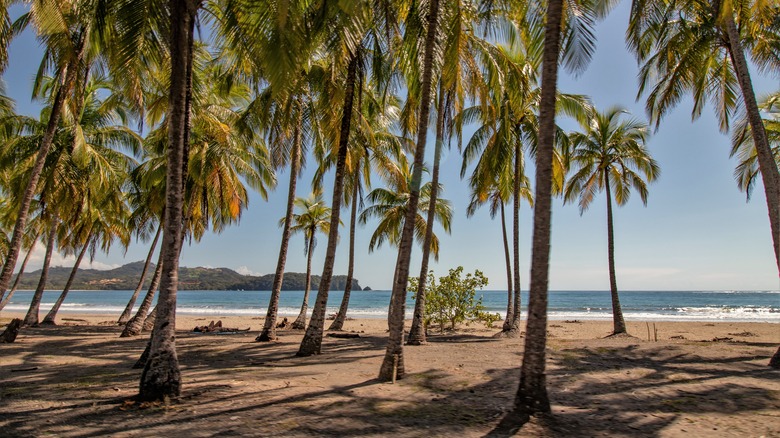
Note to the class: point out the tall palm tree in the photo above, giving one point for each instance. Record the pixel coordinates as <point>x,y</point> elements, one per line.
<point>355,26</point>
<point>161,376</point>
<point>281,140</point>
<point>508,130</point>
<point>313,217</point>
<point>69,32</point>
<point>575,36</point>
<point>703,51</point>
<point>373,145</point>
<point>496,195</point>
<point>393,362</point>
<point>610,155</point>
<point>747,169</point>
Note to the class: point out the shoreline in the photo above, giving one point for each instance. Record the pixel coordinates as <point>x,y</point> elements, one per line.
<point>753,331</point>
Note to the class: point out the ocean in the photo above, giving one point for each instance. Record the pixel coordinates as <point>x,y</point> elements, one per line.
<point>760,306</point>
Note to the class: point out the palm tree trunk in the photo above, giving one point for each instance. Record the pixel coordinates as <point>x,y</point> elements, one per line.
<point>417,330</point>
<point>7,298</point>
<point>32,313</point>
<point>269,328</point>
<point>619,325</point>
<point>161,376</point>
<point>532,391</point>
<point>393,362</point>
<point>149,320</point>
<point>510,311</point>
<point>515,329</point>
<point>312,340</point>
<point>770,175</point>
<point>129,308</point>
<point>135,324</point>
<point>300,321</point>
<point>341,316</point>
<point>48,137</point>
<point>52,315</point>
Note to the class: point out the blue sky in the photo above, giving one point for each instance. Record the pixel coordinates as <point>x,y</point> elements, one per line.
<point>697,231</point>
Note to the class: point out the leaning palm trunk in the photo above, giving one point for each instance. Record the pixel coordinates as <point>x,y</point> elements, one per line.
<point>341,316</point>
<point>129,308</point>
<point>32,313</point>
<point>135,324</point>
<point>300,322</point>
<point>770,175</point>
<point>417,335</point>
<point>7,298</point>
<point>510,315</point>
<point>619,325</point>
<point>149,320</point>
<point>48,137</point>
<point>269,327</point>
<point>532,392</point>
<point>312,339</point>
<point>393,362</point>
<point>52,315</point>
<point>161,376</point>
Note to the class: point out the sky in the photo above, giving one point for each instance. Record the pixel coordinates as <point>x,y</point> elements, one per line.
<point>696,233</point>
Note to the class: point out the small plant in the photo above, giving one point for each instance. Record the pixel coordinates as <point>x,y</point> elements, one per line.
<point>451,299</point>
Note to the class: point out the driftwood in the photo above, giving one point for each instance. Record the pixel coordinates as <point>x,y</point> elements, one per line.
<point>9,335</point>
<point>217,328</point>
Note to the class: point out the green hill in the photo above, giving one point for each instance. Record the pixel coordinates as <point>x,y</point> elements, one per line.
<point>126,277</point>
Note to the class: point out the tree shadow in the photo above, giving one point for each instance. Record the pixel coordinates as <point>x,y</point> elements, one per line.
<point>235,386</point>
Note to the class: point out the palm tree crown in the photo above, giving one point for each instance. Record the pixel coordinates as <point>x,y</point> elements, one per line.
<point>609,151</point>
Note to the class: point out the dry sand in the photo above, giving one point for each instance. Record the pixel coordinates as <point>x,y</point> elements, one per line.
<point>76,380</point>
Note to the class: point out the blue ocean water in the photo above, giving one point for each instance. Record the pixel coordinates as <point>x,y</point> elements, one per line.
<point>563,305</point>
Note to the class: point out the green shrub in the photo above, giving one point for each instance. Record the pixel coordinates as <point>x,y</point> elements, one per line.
<point>451,299</point>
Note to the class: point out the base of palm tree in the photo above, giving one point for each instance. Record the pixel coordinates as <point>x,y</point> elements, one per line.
<point>512,333</point>
<point>775,361</point>
<point>620,335</point>
<point>416,342</point>
<point>265,336</point>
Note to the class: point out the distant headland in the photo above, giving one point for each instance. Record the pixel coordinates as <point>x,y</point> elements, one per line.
<point>126,277</point>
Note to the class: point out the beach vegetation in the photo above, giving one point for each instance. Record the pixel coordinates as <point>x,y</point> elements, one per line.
<point>451,300</point>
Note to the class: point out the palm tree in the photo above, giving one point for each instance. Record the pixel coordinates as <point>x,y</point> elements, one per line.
<point>161,376</point>
<point>393,362</point>
<point>374,142</point>
<point>747,169</point>
<point>354,26</point>
<point>497,195</point>
<point>702,51</point>
<point>578,42</point>
<point>390,205</point>
<point>281,141</point>
<point>68,31</point>
<point>508,130</point>
<point>313,217</point>
<point>609,155</point>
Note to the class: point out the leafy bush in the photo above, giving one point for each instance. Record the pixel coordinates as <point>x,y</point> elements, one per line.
<point>451,299</point>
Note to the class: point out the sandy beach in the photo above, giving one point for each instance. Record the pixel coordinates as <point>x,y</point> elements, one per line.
<point>697,379</point>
